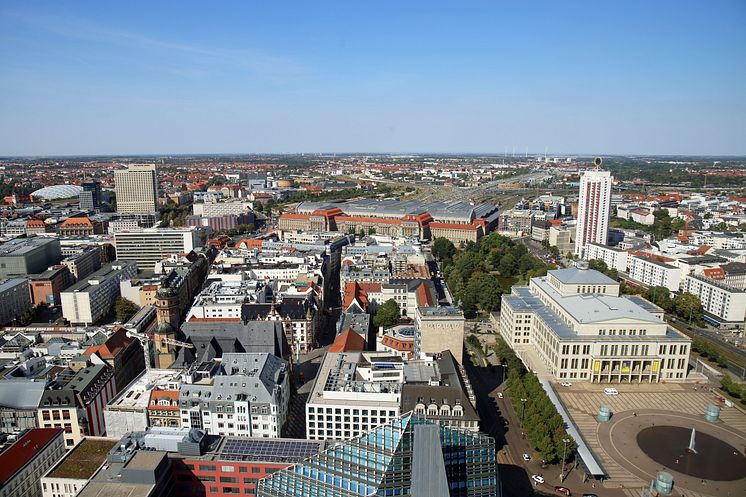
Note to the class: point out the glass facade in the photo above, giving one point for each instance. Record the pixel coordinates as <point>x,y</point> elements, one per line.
<point>380,463</point>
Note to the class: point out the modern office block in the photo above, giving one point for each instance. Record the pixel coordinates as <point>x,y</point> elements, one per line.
<point>24,256</point>
<point>15,298</point>
<point>149,246</point>
<point>91,299</point>
<point>137,189</point>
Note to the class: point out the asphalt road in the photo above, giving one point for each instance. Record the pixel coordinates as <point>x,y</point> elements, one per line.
<point>499,420</point>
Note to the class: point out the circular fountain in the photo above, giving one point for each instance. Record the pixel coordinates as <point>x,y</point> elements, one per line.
<point>692,453</point>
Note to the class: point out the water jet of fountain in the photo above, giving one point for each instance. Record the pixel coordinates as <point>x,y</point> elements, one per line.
<point>691,443</point>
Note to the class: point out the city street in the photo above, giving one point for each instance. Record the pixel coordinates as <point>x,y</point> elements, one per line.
<point>499,420</point>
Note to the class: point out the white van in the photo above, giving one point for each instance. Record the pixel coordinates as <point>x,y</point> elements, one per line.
<point>611,391</point>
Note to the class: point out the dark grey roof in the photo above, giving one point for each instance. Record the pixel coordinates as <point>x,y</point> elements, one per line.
<point>214,338</point>
<point>734,268</point>
<point>360,323</point>
<point>295,308</point>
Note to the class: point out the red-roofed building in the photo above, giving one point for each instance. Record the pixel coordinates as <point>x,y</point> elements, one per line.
<point>250,243</point>
<point>355,298</point>
<point>715,273</point>
<point>701,250</point>
<point>348,341</point>
<point>458,233</point>
<point>35,227</point>
<point>24,463</point>
<point>80,226</point>
<point>399,341</point>
<point>124,354</point>
<point>163,408</point>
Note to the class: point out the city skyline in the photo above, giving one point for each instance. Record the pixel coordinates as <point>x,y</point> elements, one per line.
<point>637,79</point>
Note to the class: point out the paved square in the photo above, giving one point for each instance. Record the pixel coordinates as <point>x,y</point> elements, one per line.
<point>614,443</point>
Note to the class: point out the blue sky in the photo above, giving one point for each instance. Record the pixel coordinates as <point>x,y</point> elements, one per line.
<point>649,77</point>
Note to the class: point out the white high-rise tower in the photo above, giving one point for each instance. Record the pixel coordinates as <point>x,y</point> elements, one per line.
<point>594,207</point>
<point>137,189</point>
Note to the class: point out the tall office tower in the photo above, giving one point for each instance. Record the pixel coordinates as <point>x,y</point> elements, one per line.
<point>137,189</point>
<point>92,191</point>
<point>594,207</point>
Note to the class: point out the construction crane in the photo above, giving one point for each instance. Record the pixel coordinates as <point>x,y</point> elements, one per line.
<point>146,340</point>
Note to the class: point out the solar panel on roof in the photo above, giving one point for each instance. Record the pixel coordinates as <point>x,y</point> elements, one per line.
<point>268,450</point>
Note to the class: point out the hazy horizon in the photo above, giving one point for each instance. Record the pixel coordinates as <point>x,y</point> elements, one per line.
<point>635,78</point>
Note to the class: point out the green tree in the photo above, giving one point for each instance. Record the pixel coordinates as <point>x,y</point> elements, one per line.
<point>125,309</point>
<point>486,291</point>
<point>677,225</point>
<point>508,265</point>
<point>598,265</point>
<point>662,224</point>
<point>688,307</point>
<point>554,252</point>
<point>660,296</point>
<point>443,249</point>
<point>387,315</point>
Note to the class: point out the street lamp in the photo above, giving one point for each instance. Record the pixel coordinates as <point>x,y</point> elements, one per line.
<point>565,441</point>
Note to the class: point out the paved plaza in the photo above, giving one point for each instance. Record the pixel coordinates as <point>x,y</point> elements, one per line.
<point>639,406</point>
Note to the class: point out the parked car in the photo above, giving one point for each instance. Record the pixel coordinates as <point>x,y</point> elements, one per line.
<point>611,391</point>
<point>537,478</point>
<point>566,384</point>
<point>590,495</point>
<point>526,457</point>
<point>563,490</point>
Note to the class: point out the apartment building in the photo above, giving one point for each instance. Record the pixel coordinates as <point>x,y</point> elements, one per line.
<point>652,272</point>
<point>613,257</point>
<point>83,263</point>
<point>594,209</point>
<point>68,477</point>
<point>573,325</point>
<point>724,305</point>
<point>77,403</point>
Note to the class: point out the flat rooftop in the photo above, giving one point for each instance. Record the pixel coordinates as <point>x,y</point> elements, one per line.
<point>576,276</point>
<point>592,308</point>
<point>21,246</point>
<point>137,394</point>
<point>82,462</point>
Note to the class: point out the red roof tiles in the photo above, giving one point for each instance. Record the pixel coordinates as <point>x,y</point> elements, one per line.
<point>348,341</point>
